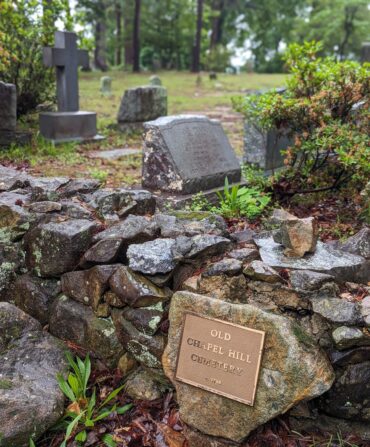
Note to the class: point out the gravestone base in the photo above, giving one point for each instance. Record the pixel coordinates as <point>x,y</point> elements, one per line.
<point>178,201</point>
<point>61,127</point>
<point>9,137</point>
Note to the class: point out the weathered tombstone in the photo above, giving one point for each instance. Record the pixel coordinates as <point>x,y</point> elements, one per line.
<point>264,147</point>
<point>186,154</point>
<point>212,75</point>
<point>68,123</point>
<point>8,117</point>
<point>155,80</point>
<point>142,104</point>
<point>365,52</point>
<point>106,85</point>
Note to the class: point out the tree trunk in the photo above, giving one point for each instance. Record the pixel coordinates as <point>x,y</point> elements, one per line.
<point>217,23</point>
<point>100,53</point>
<point>118,55</point>
<point>127,23</point>
<point>136,37</point>
<point>198,37</point>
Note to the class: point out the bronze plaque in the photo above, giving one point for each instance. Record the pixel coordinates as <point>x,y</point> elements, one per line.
<point>220,357</point>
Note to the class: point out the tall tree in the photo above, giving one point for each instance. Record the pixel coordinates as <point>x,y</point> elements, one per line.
<point>118,14</point>
<point>341,33</point>
<point>136,37</point>
<point>198,38</point>
<point>218,15</point>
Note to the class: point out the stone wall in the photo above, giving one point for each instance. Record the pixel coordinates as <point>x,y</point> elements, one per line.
<point>98,268</point>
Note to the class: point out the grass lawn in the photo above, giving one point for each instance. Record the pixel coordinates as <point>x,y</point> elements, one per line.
<point>187,93</point>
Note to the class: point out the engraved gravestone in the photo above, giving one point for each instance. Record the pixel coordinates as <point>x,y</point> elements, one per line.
<point>264,147</point>
<point>186,154</point>
<point>68,123</point>
<point>8,118</point>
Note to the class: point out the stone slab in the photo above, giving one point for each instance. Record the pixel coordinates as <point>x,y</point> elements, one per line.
<point>62,127</point>
<point>186,154</point>
<point>114,154</point>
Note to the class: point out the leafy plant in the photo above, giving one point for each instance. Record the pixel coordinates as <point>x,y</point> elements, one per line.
<point>83,412</point>
<point>25,27</point>
<point>326,110</point>
<point>236,201</point>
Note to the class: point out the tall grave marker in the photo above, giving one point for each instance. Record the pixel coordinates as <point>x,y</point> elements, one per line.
<point>8,117</point>
<point>68,123</point>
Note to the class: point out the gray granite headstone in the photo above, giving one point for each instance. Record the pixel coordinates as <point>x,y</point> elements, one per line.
<point>186,154</point>
<point>68,124</point>
<point>8,106</point>
<point>365,52</point>
<point>8,118</point>
<point>142,104</point>
<point>264,147</point>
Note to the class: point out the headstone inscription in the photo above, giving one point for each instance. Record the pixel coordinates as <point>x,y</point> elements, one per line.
<point>365,52</point>
<point>214,353</point>
<point>142,104</point>
<point>68,123</point>
<point>186,154</point>
<point>8,117</point>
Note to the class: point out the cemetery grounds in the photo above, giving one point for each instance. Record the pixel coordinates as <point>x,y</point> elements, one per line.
<point>186,94</point>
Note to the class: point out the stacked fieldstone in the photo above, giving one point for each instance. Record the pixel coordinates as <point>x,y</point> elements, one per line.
<point>99,267</point>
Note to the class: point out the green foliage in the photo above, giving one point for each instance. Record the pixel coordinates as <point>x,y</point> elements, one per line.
<point>255,177</point>
<point>234,201</point>
<point>83,412</point>
<point>25,27</point>
<point>218,58</point>
<point>341,33</point>
<point>331,145</point>
<point>99,174</point>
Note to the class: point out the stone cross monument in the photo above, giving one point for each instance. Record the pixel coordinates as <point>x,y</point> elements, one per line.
<point>68,123</point>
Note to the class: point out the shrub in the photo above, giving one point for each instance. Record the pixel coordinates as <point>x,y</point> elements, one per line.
<point>25,27</point>
<point>319,108</point>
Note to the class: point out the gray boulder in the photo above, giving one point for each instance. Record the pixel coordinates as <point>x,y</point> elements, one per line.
<point>359,244</point>
<point>308,280</point>
<point>152,257</point>
<point>30,359</point>
<point>337,310</point>
<point>55,248</point>
<point>342,265</point>
<point>35,295</point>
<point>113,204</point>
<point>77,323</point>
